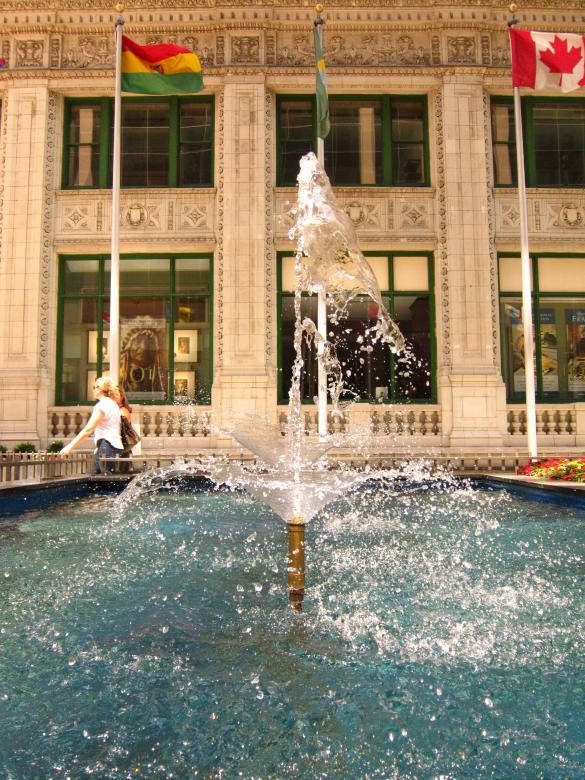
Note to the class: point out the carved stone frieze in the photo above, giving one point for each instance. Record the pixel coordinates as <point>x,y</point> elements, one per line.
<point>47,264</point>
<point>570,215</point>
<point>493,256</point>
<point>88,51</point>
<point>87,214</point>
<point>194,216</point>
<point>203,45</point>
<point>55,51</point>
<point>443,255</point>
<point>76,218</point>
<point>380,216</point>
<point>461,49</point>
<point>30,53</point>
<point>500,49</point>
<point>219,269</point>
<point>245,49</point>
<point>296,49</point>
<point>269,255</point>
<point>551,216</point>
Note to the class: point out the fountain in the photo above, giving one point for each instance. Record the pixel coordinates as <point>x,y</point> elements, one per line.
<point>293,476</point>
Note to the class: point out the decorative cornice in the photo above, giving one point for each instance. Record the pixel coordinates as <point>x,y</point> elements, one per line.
<point>54,6</point>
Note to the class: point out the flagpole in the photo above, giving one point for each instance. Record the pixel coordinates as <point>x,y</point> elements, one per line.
<point>321,298</point>
<point>526,278</point>
<point>115,246</point>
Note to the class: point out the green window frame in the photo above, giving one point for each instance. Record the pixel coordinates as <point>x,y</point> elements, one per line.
<point>181,142</point>
<point>559,329</point>
<point>185,304</point>
<point>393,297</point>
<point>539,162</point>
<point>387,168</point>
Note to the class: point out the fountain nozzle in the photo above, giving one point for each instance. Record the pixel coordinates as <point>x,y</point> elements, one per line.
<point>296,563</point>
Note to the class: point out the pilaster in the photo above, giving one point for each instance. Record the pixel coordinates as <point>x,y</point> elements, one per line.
<point>26,263</point>
<point>244,379</point>
<point>471,386</point>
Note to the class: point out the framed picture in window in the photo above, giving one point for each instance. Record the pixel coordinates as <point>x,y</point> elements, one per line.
<point>91,377</point>
<point>185,346</point>
<point>92,342</point>
<point>184,384</point>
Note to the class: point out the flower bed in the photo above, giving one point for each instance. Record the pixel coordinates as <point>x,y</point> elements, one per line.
<point>566,469</point>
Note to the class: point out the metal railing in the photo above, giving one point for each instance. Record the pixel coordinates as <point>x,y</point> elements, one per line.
<point>18,469</point>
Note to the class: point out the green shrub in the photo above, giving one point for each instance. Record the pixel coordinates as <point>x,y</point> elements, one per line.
<point>25,446</point>
<point>3,448</point>
<point>55,446</point>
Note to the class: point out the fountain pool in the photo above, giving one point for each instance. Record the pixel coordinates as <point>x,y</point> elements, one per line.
<point>443,636</point>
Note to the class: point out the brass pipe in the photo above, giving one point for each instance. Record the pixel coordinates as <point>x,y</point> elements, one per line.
<point>296,563</point>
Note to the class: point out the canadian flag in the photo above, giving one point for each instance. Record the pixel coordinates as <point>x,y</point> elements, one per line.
<point>552,61</point>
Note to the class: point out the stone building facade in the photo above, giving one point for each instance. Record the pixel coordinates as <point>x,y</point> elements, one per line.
<point>462,215</point>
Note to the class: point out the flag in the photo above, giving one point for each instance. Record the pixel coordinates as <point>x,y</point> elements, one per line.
<point>162,69</point>
<point>552,61</point>
<point>2,63</point>
<point>323,123</point>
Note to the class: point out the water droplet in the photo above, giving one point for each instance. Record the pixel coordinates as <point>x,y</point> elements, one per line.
<point>214,716</point>
<point>488,702</point>
<point>257,587</point>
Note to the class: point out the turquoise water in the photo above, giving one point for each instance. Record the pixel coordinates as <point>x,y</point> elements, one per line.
<point>443,636</point>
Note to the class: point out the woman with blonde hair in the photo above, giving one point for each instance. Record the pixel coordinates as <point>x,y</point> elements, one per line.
<point>104,423</point>
<point>119,397</point>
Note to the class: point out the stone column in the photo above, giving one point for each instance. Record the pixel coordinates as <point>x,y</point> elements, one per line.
<point>244,377</point>
<point>26,265</point>
<point>471,387</point>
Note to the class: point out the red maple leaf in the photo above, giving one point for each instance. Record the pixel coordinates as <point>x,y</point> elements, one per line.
<point>560,59</point>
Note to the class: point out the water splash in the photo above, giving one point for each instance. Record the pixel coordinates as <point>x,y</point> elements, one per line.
<point>294,477</point>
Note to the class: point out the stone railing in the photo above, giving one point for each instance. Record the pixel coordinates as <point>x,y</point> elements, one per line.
<point>558,425</point>
<point>158,422</point>
<point>394,421</point>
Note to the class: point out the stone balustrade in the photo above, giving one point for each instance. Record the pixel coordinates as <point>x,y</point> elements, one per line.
<point>155,422</point>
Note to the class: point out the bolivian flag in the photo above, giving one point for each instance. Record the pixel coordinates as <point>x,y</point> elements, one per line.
<point>162,69</point>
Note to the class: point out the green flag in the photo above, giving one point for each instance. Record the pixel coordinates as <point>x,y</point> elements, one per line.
<point>323,123</point>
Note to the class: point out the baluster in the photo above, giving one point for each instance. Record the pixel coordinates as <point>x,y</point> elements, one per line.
<point>569,422</point>
<point>170,423</point>
<point>307,423</point>
<point>511,421</point>
<point>146,420</point>
<point>158,422</point>
<point>282,422</point>
<point>522,422</point>
<point>410,421</point>
<point>422,418</point>
<point>545,422</point>
<point>206,423</point>
<point>374,423</point>
<point>399,423</point>
<point>558,422</point>
<point>194,422</point>
<point>387,423</point>
<point>54,424</point>
<point>66,420</point>
<point>435,419</point>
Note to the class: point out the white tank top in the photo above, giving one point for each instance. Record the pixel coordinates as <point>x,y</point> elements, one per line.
<point>109,426</point>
